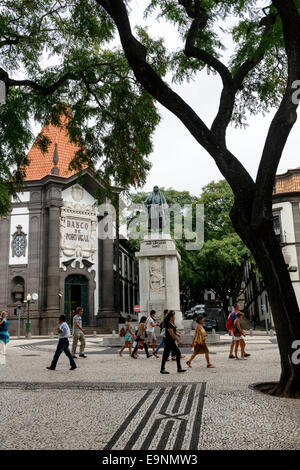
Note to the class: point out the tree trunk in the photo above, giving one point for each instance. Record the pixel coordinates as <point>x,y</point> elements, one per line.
<point>270,261</point>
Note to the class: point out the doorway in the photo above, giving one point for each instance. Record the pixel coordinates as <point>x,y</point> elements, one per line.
<point>76,295</point>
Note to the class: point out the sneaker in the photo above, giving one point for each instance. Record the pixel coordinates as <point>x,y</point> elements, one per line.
<point>155,355</point>
<point>50,368</point>
<point>82,355</point>
<point>181,370</point>
<point>133,357</point>
<point>247,355</point>
<point>72,368</point>
<point>149,355</point>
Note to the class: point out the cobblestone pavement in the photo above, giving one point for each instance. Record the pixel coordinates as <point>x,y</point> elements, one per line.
<point>112,402</point>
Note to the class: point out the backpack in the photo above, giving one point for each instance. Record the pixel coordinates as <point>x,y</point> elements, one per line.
<point>229,323</point>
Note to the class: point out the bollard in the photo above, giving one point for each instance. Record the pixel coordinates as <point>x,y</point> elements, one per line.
<point>213,331</point>
<point>271,332</point>
<point>95,334</point>
<point>114,333</point>
<point>251,332</point>
<point>51,335</point>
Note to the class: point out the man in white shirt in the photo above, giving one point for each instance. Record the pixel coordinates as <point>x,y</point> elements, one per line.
<point>151,338</point>
<point>63,344</point>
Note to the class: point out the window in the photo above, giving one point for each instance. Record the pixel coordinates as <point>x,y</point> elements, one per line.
<point>276,227</point>
<point>19,242</point>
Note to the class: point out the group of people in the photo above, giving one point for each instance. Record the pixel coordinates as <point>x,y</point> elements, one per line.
<point>170,339</point>
<point>234,328</point>
<point>143,338</point>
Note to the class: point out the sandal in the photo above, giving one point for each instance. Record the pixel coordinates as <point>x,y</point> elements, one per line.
<point>164,372</point>
<point>210,366</point>
<point>188,364</point>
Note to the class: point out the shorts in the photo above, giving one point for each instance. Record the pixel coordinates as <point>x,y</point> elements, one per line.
<point>200,348</point>
<point>237,338</point>
<point>150,337</point>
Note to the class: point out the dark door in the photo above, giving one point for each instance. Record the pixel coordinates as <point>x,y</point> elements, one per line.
<point>76,295</point>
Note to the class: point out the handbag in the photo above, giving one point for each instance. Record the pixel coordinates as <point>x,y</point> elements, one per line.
<point>163,333</point>
<point>140,344</point>
<point>122,332</point>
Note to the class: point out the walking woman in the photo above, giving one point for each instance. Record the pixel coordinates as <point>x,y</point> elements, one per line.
<point>4,336</point>
<point>140,339</point>
<point>199,344</point>
<point>238,334</point>
<point>171,342</point>
<point>128,336</point>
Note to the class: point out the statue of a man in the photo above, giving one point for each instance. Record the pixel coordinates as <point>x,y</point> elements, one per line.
<point>156,205</point>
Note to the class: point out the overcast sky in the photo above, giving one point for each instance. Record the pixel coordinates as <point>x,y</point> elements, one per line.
<point>178,160</point>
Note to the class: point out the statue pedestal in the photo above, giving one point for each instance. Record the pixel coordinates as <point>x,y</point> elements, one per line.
<point>158,276</point>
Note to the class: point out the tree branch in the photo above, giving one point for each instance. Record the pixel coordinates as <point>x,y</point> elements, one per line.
<point>284,118</point>
<point>136,55</point>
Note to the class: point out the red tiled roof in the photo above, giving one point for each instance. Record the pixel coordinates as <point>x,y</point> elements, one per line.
<point>41,163</point>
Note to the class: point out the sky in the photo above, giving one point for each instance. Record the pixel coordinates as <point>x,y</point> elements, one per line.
<point>178,161</point>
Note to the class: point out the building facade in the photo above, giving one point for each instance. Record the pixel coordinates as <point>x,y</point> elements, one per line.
<point>55,243</point>
<point>286,222</point>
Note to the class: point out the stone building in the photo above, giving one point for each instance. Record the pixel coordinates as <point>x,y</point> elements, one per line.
<point>53,243</point>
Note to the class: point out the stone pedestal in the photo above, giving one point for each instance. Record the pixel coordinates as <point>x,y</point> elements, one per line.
<point>159,277</point>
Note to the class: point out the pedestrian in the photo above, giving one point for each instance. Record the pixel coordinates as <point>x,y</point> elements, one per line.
<point>253,321</point>
<point>151,337</point>
<point>140,339</point>
<point>171,343</point>
<point>199,344</point>
<point>78,334</point>
<point>128,337</point>
<point>229,325</point>
<point>162,331</point>
<point>4,335</point>
<point>173,353</point>
<point>63,344</point>
<point>238,333</point>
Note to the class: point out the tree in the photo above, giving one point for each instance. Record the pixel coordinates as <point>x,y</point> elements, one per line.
<point>264,37</point>
<point>55,63</point>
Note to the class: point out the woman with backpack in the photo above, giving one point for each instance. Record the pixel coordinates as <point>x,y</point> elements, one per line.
<point>140,339</point>
<point>127,337</point>
<point>199,344</point>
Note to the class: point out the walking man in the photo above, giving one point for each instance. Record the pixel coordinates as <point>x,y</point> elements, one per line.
<point>63,344</point>
<point>78,333</point>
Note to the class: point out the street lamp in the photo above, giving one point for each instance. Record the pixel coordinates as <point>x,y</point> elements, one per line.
<point>29,298</point>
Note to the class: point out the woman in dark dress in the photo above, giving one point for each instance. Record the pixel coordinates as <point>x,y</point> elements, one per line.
<point>171,342</point>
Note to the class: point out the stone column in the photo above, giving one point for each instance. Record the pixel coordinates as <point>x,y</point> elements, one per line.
<point>53,271</point>
<point>4,260</point>
<point>108,317</point>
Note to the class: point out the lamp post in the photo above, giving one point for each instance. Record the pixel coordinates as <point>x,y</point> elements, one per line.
<point>29,298</point>
<point>28,323</point>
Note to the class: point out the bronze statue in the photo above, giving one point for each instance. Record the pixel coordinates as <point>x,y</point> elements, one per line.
<point>156,205</point>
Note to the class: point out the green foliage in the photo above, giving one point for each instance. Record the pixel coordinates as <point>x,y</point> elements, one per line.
<point>61,49</point>
<point>254,29</point>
